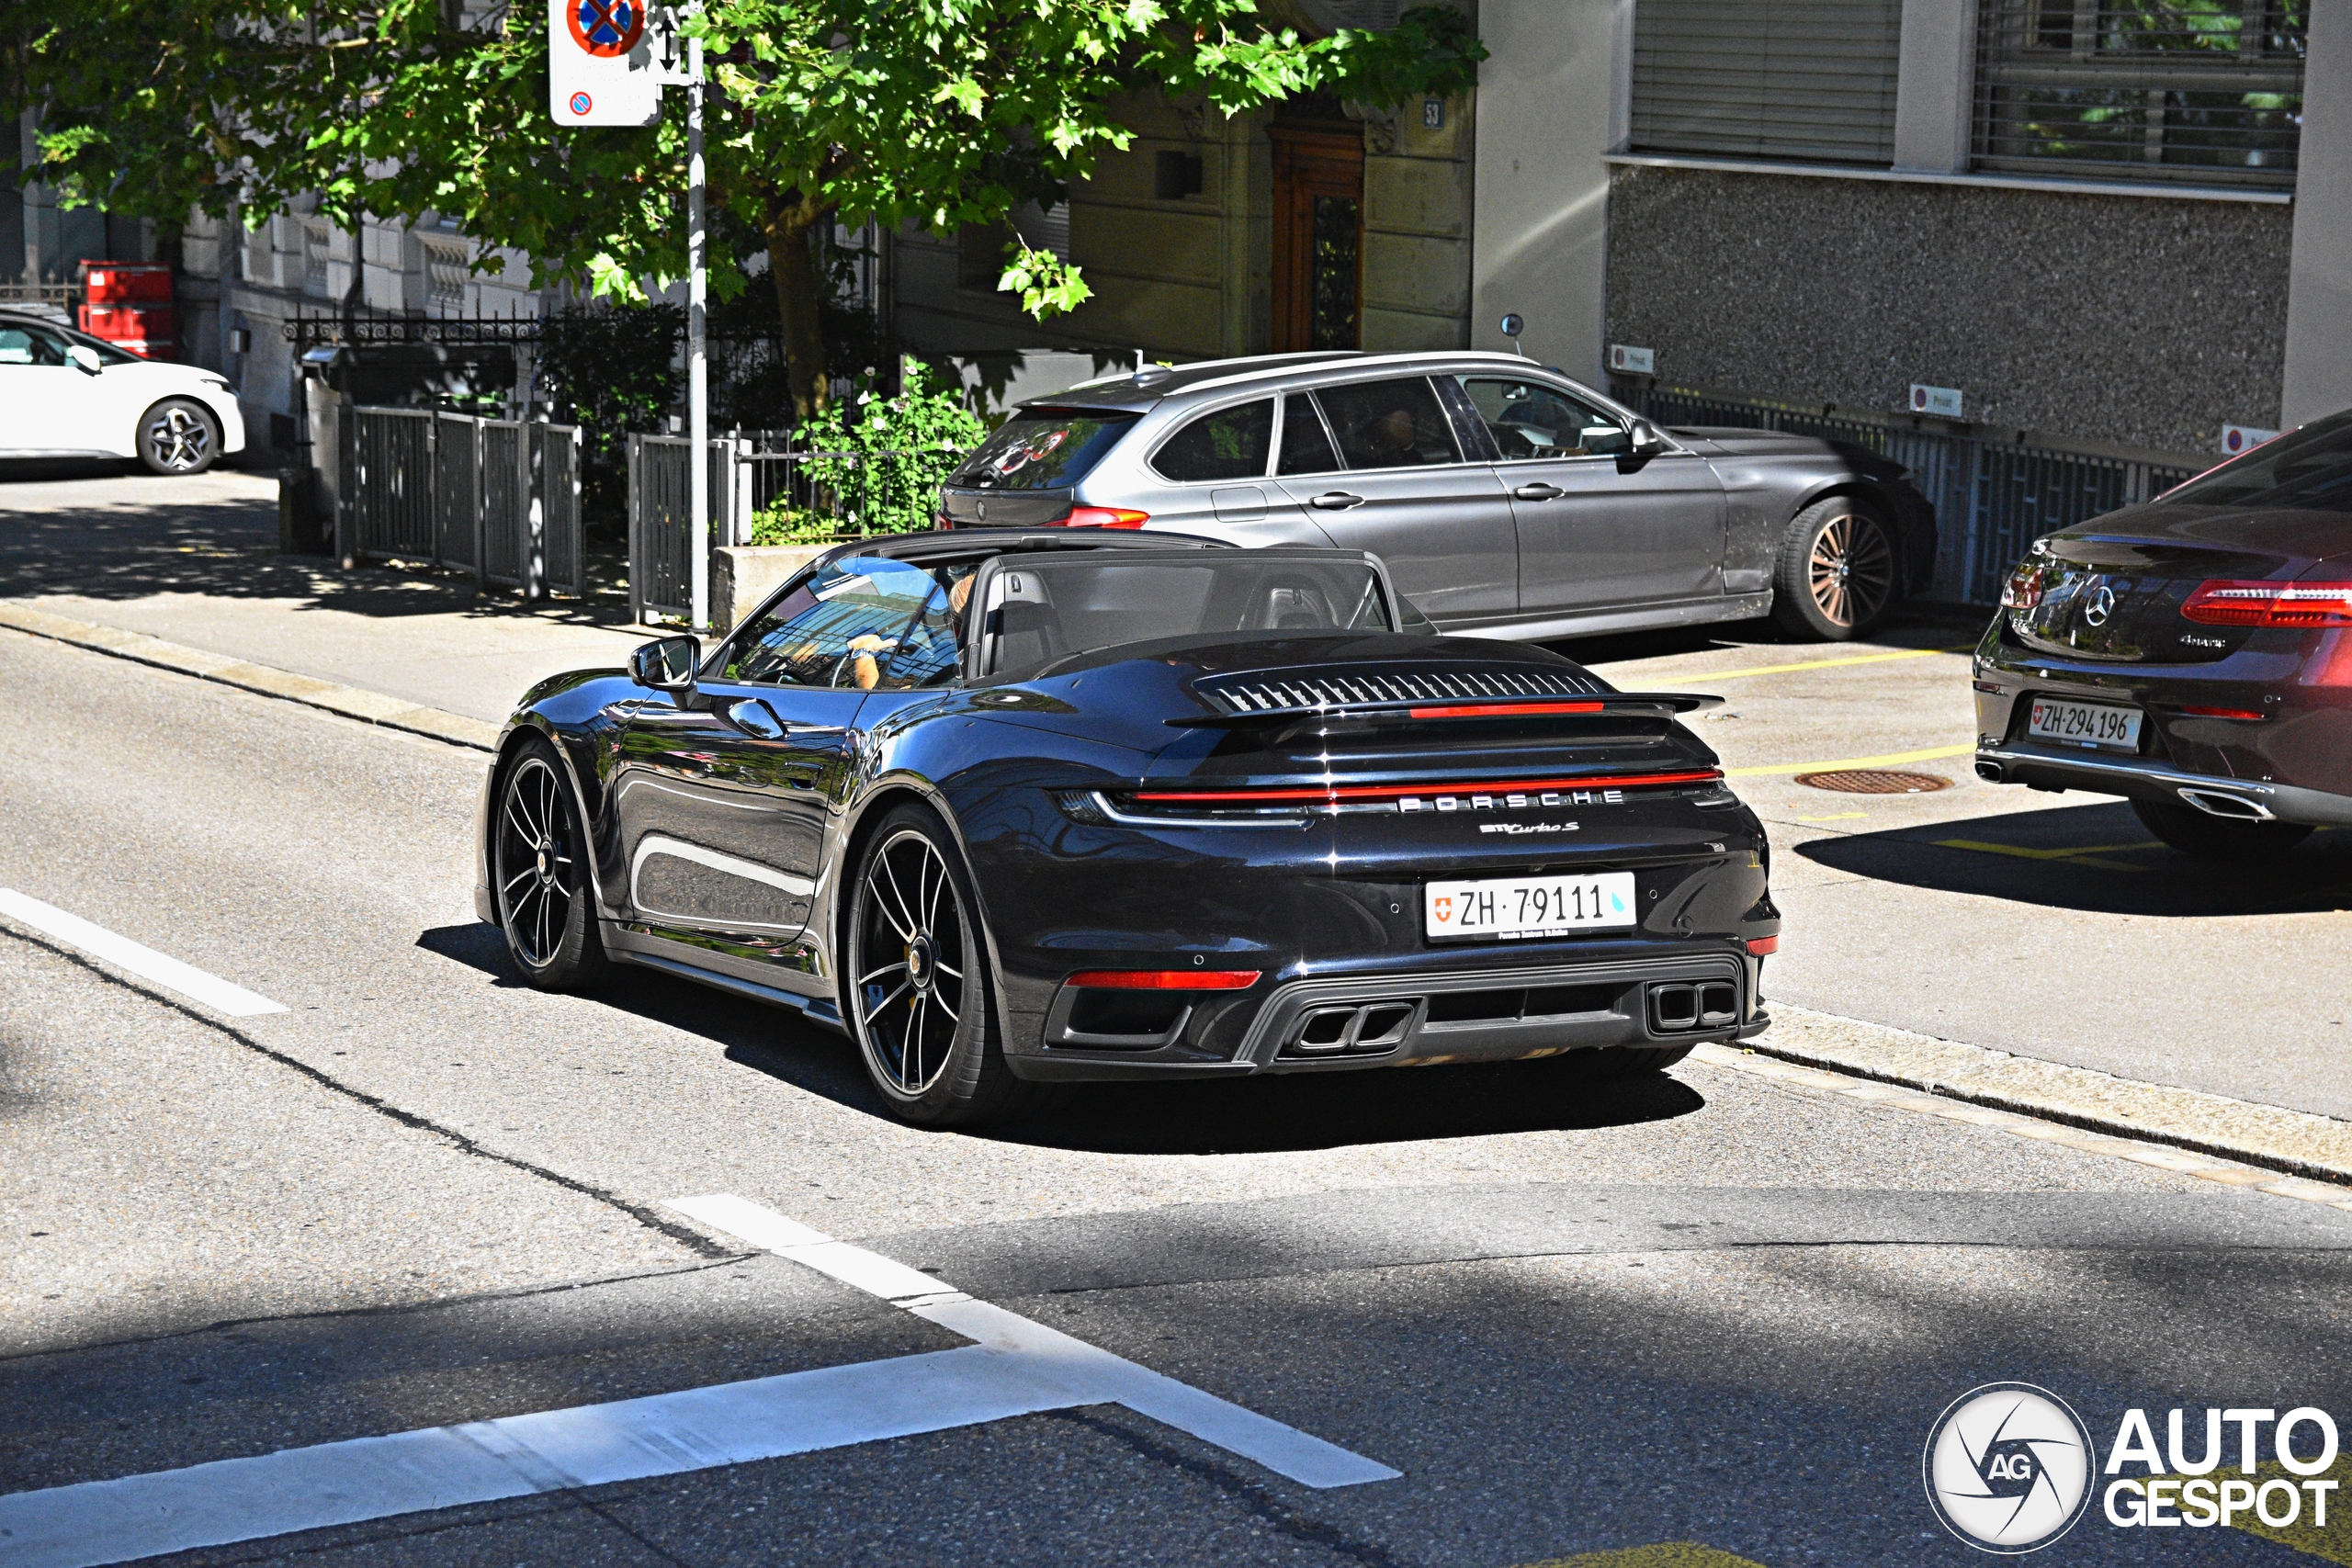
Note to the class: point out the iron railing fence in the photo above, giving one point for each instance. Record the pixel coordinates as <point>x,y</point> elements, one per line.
<point>1992,497</point>
<point>828,494</point>
<point>498,498</point>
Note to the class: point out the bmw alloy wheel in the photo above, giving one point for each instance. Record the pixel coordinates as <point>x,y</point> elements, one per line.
<point>1850,570</point>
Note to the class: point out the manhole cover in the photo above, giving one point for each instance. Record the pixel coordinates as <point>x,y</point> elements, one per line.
<point>1874,781</point>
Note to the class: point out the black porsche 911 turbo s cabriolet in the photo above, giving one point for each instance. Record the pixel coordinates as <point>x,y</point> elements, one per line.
<point>1013,808</point>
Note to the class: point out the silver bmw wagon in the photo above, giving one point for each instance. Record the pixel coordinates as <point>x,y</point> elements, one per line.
<point>1507,499</point>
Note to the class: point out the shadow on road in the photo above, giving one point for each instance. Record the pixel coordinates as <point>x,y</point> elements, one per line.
<point>2098,859</point>
<point>223,546</point>
<point>1307,1111</point>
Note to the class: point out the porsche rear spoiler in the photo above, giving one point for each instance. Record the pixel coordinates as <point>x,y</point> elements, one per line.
<point>1648,704</point>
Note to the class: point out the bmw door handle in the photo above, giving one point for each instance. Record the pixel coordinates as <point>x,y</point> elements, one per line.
<point>1538,491</point>
<point>1336,501</point>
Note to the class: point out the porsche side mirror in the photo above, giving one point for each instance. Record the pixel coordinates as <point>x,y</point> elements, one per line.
<point>667,665</point>
<point>86,359</point>
<point>1648,441</point>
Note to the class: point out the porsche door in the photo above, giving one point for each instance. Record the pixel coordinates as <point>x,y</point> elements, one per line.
<point>726,792</point>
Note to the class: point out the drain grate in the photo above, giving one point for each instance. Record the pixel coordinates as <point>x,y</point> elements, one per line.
<point>1874,781</point>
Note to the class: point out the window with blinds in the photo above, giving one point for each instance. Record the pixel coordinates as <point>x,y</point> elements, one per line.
<point>2205,91</point>
<point>1810,80</point>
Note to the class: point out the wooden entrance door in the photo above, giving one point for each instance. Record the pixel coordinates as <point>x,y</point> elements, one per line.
<point>1318,238</point>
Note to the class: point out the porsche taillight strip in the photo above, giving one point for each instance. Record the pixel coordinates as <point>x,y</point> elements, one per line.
<point>1399,792</point>
<point>1500,710</point>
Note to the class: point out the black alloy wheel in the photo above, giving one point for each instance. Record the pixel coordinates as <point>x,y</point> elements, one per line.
<point>539,872</point>
<point>178,435</point>
<point>921,998</point>
<point>2217,838</point>
<point>1836,575</point>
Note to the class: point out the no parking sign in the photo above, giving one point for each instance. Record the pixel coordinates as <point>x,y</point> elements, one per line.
<point>604,67</point>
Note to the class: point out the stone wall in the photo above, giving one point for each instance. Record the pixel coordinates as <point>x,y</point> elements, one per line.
<point>2150,322</point>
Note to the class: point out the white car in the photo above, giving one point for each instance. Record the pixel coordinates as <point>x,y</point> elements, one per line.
<point>66,394</point>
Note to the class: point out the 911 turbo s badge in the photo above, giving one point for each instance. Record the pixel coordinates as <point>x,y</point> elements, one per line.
<point>1515,828</point>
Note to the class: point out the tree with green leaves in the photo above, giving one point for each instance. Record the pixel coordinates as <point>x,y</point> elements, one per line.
<point>939,112</point>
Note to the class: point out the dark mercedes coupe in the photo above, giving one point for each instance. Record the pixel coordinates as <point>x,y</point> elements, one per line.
<point>2193,655</point>
<point>1013,807</point>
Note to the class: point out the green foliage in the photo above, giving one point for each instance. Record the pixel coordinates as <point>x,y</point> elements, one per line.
<point>942,112</point>
<point>880,460</point>
<point>1048,284</point>
<point>1430,53</point>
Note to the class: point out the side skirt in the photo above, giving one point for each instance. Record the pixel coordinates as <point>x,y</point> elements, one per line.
<point>634,949</point>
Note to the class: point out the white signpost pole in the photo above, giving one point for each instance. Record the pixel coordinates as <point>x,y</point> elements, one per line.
<point>698,363</point>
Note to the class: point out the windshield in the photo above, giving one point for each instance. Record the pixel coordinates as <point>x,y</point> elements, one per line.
<point>1043,449</point>
<point>2307,470</point>
<point>1041,609</point>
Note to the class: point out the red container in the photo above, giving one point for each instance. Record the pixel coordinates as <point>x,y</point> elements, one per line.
<point>125,282</point>
<point>116,323</point>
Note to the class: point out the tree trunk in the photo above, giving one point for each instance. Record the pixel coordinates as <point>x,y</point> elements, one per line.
<point>799,301</point>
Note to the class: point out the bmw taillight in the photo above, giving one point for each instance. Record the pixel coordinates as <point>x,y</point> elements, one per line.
<point>2021,590</point>
<point>1104,518</point>
<point>2226,603</point>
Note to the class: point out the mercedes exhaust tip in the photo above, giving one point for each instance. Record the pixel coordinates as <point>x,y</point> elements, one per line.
<point>1991,773</point>
<point>2231,807</point>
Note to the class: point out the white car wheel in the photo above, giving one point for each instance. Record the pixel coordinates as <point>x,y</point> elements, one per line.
<point>179,436</point>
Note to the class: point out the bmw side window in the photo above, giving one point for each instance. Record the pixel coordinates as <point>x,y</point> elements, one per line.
<point>1306,446</point>
<point>1224,444</point>
<point>1389,424</point>
<point>836,627</point>
<point>1530,420</point>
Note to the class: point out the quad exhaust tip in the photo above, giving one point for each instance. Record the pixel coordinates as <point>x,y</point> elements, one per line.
<point>1353,1030</point>
<point>1679,1007</point>
<point>2230,808</point>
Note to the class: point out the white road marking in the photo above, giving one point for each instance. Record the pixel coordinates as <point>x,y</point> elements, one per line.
<point>1285,1450</point>
<point>1017,1368</point>
<point>211,990</point>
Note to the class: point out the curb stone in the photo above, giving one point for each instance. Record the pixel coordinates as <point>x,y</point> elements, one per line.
<point>2156,1124</point>
<point>350,702</point>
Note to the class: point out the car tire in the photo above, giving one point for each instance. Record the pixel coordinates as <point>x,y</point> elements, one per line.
<point>178,435</point>
<point>1617,1063</point>
<point>538,871</point>
<point>1838,572</point>
<point>2209,837</point>
<point>919,991</point>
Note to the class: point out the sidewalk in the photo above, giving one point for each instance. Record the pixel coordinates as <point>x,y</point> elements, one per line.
<point>195,562</point>
<point>185,574</point>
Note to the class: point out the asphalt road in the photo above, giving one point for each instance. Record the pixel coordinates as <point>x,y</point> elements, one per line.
<point>1707,1308</point>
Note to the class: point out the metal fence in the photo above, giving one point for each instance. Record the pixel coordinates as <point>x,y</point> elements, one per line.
<point>841,493</point>
<point>497,497</point>
<point>1992,499</point>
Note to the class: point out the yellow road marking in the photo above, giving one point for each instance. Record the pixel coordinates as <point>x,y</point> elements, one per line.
<point>1707,675</point>
<point>2085,856</point>
<point>1835,816</point>
<point>1889,761</point>
<point>2331,1542</point>
<point>1666,1554</point>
